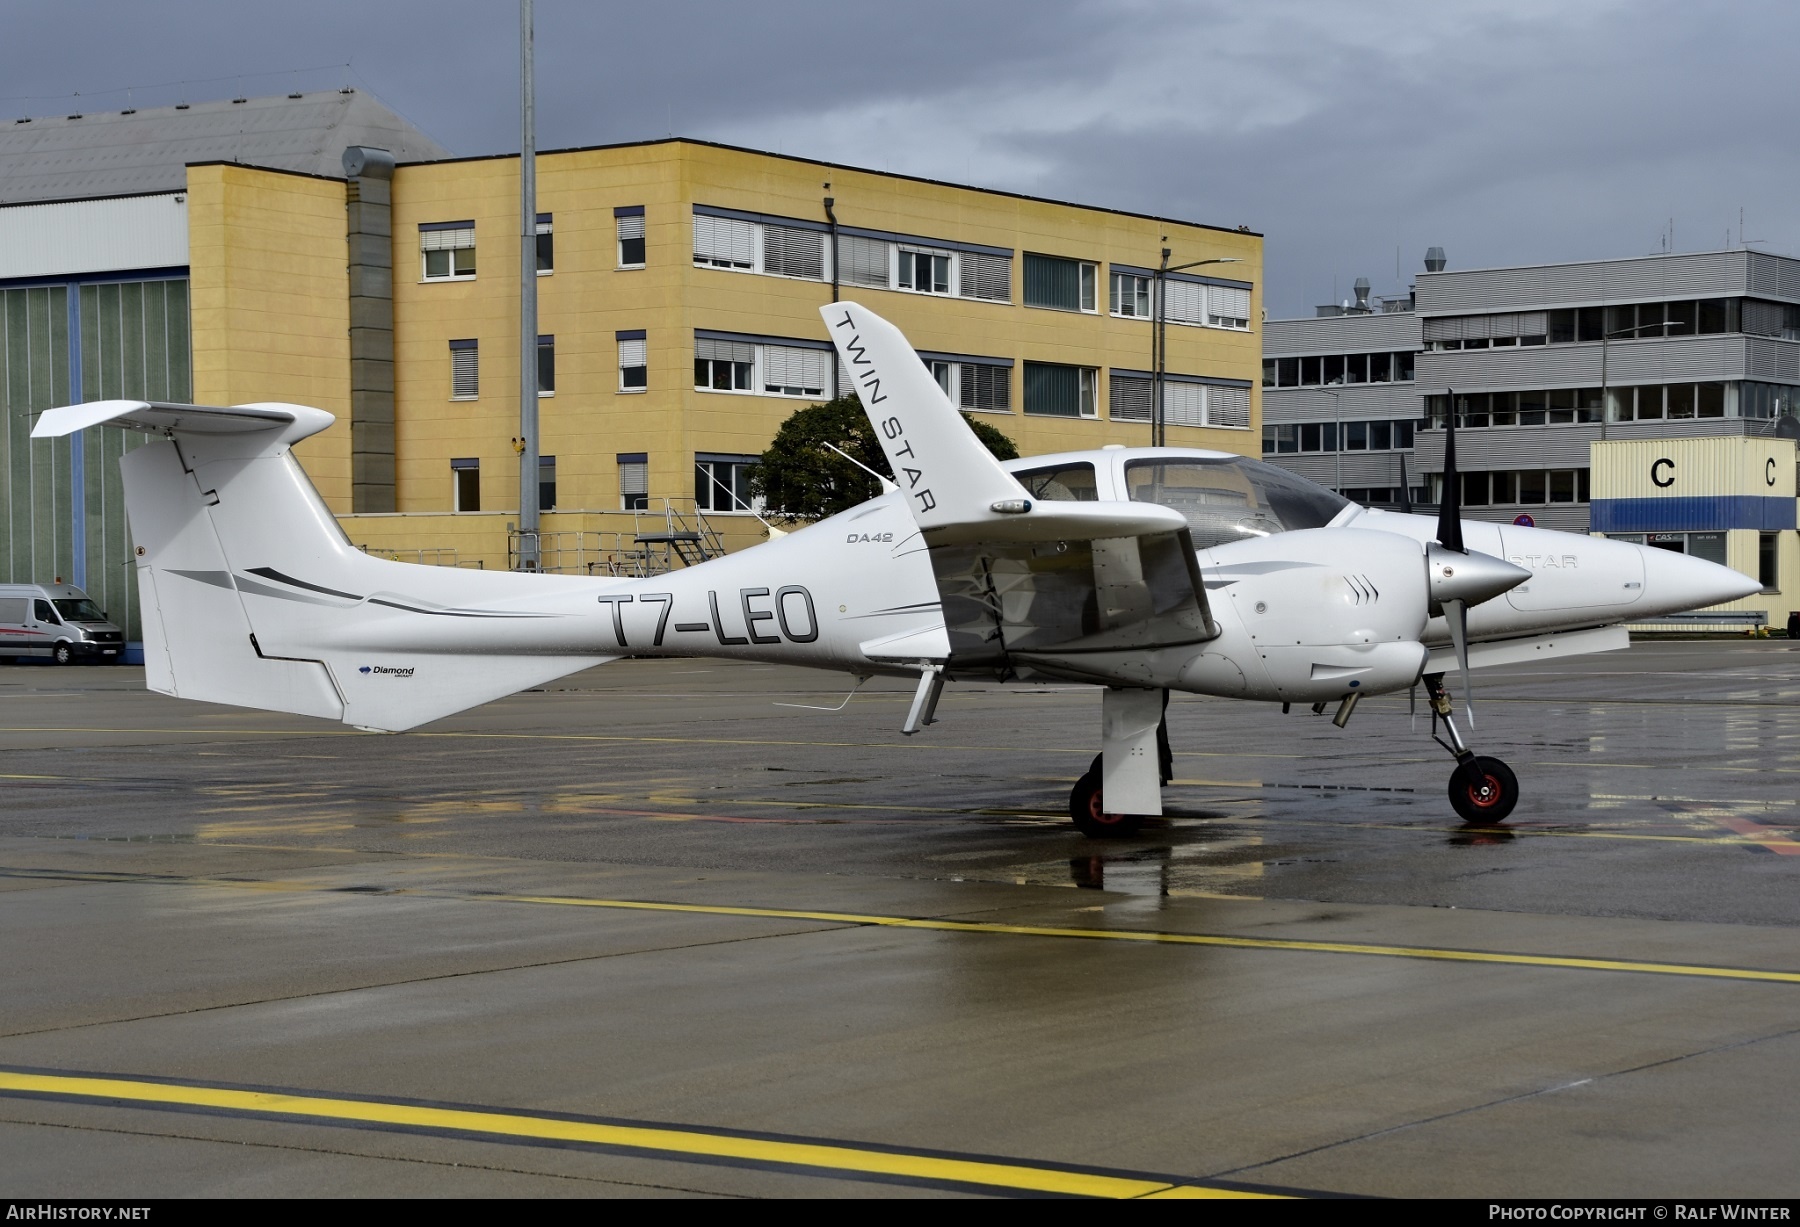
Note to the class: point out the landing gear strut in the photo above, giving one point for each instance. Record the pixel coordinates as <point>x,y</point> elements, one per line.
<point>1482,790</point>
<point>1133,765</point>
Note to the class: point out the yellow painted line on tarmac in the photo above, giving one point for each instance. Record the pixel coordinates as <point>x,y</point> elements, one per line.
<point>1440,954</point>
<point>812,1156</point>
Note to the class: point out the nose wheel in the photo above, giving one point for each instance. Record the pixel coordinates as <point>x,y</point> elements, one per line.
<point>1482,790</point>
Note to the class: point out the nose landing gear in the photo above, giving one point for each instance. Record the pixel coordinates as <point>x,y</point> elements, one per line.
<point>1482,790</point>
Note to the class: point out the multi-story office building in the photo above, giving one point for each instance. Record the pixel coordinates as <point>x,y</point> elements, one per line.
<point>1540,363</point>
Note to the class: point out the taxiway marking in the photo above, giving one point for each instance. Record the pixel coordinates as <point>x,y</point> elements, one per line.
<point>1444,954</point>
<point>810,1156</point>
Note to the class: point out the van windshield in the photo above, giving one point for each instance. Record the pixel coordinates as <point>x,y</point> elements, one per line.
<point>79,609</point>
<point>1228,500</point>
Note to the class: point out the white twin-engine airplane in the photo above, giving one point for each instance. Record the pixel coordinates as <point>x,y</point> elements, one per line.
<point>1141,570</point>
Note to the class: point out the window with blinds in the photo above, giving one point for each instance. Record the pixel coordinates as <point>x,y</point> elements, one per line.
<point>926,272</point>
<point>789,251</point>
<point>1184,302</point>
<point>447,251</point>
<point>634,481</point>
<point>863,261</point>
<point>1227,306</point>
<point>724,366</point>
<point>630,227</point>
<point>986,276</point>
<point>1060,284</point>
<point>1129,398</point>
<point>1228,407</point>
<point>634,363</point>
<point>984,387</point>
<point>725,242</point>
<point>1054,390</point>
<point>465,370</point>
<point>789,370</point>
<point>1184,404</point>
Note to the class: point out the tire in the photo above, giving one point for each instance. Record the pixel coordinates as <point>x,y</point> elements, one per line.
<point>1090,816</point>
<point>62,654</point>
<point>1494,803</point>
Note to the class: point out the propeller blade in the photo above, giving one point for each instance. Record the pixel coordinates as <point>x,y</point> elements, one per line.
<point>1449,530</point>
<point>1456,613</point>
<point>1412,705</point>
<point>1405,488</point>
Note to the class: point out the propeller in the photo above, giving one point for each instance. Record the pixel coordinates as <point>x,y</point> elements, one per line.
<point>1450,537</point>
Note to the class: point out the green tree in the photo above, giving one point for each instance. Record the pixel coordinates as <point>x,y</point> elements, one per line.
<point>806,480</point>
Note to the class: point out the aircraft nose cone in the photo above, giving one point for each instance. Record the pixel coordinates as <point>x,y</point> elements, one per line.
<point>1677,582</point>
<point>1473,577</point>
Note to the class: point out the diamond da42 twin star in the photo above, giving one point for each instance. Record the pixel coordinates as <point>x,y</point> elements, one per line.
<point>1141,571</point>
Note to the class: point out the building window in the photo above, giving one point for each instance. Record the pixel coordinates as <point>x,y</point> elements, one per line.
<point>790,370</point>
<point>986,275</point>
<point>926,272</point>
<point>1060,284</point>
<point>945,375</point>
<point>1518,487</point>
<point>725,242</point>
<point>1227,306</point>
<point>863,261</point>
<point>634,361</point>
<point>1054,390</point>
<point>465,370</point>
<point>546,483</point>
<point>447,250</point>
<point>629,221</point>
<point>724,366</point>
<point>1130,398</point>
<point>465,484</point>
<point>546,366</point>
<point>984,386</point>
<point>1129,296</point>
<point>546,246</point>
<point>722,483</point>
<point>789,251</point>
<point>1767,567</point>
<point>634,481</point>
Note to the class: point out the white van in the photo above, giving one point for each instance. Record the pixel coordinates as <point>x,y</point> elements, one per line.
<point>58,621</point>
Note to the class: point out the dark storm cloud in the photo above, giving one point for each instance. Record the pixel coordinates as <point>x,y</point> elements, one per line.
<point>1508,132</point>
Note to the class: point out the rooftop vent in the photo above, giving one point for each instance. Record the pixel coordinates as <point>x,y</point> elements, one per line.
<point>1434,260</point>
<point>1361,290</point>
<point>181,106</point>
<point>129,111</point>
<point>77,115</point>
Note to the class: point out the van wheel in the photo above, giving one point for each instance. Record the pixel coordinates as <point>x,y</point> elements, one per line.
<point>62,653</point>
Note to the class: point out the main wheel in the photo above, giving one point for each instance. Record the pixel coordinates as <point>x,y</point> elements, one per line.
<point>1492,800</point>
<point>62,653</point>
<point>1089,813</point>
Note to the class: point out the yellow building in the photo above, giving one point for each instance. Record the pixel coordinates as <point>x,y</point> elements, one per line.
<point>678,289</point>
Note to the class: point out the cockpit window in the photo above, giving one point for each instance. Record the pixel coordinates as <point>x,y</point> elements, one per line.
<point>1069,483</point>
<point>1228,500</point>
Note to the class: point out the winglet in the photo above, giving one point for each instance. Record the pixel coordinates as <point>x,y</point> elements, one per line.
<point>946,473</point>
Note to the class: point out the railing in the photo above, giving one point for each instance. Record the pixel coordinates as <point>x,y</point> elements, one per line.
<point>424,557</point>
<point>673,532</point>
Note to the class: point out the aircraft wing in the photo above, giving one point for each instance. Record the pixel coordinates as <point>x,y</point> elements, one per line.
<point>1022,580</point>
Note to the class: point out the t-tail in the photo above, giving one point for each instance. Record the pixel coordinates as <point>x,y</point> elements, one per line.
<point>252,595</point>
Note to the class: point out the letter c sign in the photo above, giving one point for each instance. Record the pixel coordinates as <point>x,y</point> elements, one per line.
<point>1769,471</point>
<point>1656,478</point>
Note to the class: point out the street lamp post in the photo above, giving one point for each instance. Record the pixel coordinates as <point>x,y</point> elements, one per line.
<point>1159,341</point>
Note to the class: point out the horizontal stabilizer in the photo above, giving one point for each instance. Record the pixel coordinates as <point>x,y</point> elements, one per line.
<point>166,417</point>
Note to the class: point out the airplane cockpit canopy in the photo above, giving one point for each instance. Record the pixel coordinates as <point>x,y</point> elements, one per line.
<point>1225,498</point>
<point>1230,498</point>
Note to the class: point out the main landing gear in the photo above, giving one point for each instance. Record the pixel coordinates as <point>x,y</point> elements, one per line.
<point>1482,790</point>
<point>1123,786</point>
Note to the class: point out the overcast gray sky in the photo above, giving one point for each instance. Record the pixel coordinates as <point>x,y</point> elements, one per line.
<point>1509,132</point>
